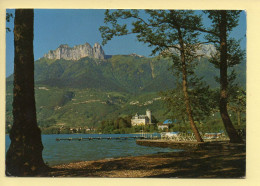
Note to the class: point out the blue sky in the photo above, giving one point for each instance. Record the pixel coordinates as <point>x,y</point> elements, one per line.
<point>74,27</point>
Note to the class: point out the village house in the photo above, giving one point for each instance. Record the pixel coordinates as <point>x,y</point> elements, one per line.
<point>165,125</point>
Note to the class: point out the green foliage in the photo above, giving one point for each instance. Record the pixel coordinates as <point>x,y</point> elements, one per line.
<point>159,30</point>
<point>202,100</point>
<point>8,18</point>
<point>118,73</point>
<point>47,123</point>
<point>214,16</point>
<point>117,126</point>
<point>65,104</point>
<point>89,92</point>
<point>234,54</point>
<point>169,32</point>
<point>228,55</point>
<point>122,125</point>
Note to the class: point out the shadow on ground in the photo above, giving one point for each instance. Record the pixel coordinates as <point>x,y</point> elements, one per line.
<point>210,163</point>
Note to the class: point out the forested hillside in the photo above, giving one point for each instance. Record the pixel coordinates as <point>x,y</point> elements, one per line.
<point>87,91</point>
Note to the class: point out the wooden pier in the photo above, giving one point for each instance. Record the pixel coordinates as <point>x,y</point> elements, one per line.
<point>104,138</point>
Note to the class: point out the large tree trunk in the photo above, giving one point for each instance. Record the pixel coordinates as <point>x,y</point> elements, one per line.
<point>186,94</point>
<point>234,137</point>
<point>24,156</point>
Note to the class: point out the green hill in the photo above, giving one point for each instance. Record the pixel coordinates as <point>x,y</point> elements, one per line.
<point>87,91</point>
<point>118,73</point>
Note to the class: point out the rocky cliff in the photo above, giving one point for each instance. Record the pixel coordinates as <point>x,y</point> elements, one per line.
<point>77,52</point>
<point>206,50</point>
<point>203,50</point>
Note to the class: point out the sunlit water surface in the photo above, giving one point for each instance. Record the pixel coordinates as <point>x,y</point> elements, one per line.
<point>59,152</point>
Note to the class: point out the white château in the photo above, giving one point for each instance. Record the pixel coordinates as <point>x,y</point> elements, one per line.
<point>142,119</point>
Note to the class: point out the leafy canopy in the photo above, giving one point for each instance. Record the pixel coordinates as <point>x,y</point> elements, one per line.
<point>158,28</point>
<point>234,53</point>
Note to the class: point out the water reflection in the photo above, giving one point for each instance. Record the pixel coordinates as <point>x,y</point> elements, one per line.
<point>58,152</point>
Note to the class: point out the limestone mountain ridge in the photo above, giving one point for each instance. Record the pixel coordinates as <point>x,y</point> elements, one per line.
<point>77,52</point>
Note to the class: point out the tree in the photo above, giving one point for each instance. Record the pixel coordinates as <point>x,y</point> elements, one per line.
<point>201,100</point>
<point>170,32</point>
<point>8,18</point>
<point>24,156</point>
<point>237,102</point>
<point>228,55</point>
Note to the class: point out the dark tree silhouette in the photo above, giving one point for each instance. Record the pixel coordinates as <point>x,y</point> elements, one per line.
<point>24,156</point>
<point>229,54</point>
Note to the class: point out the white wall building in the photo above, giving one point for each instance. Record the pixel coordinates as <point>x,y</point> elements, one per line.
<point>142,119</point>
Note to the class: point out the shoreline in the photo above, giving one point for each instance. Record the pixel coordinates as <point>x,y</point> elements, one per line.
<point>198,163</point>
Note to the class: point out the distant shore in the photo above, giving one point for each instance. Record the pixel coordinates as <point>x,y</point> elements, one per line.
<point>227,162</point>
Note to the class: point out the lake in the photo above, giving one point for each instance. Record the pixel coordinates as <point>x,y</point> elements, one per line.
<point>59,152</point>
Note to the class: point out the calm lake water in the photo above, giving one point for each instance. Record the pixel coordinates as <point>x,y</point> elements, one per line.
<point>59,152</point>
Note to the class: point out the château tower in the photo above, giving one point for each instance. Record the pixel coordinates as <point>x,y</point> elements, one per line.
<point>149,115</point>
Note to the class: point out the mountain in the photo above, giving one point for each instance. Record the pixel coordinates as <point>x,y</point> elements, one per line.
<point>124,73</point>
<point>77,52</point>
<point>86,91</point>
<point>206,50</point>
<point>203,50</point>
